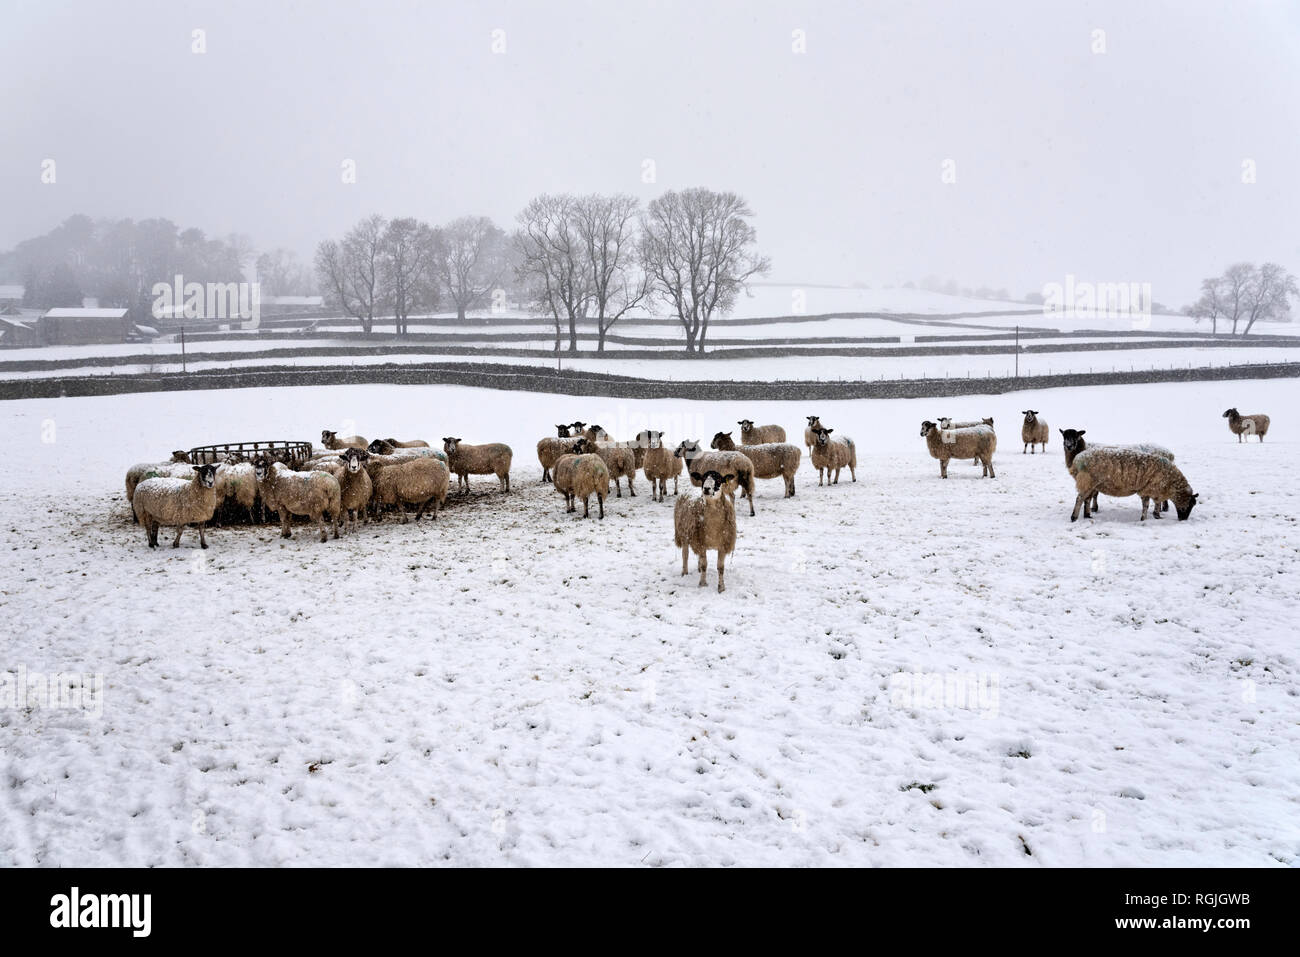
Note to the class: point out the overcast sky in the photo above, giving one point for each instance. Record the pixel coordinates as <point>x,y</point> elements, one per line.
<point>1117,166</point>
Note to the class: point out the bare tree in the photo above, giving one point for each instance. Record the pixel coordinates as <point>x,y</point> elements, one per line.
<point>406,256</point>
<point>607,227</point>
<point>552,261</point>
<point>696,246</point>
<point>1266,295</point>
<point>1211,304</point>
<point>280,273</point>
<point>469,260</point>
<point>349,270</point>
<point>1236,281</point>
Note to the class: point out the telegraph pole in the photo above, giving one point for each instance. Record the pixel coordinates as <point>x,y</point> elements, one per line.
<point>1017,352</point>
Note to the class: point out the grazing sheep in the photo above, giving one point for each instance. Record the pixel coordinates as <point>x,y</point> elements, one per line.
<point>332,441</point>
<point>660,465</point>
<point>420,482</point>
<point>1244,425</point>
<point>810,430</point>
<point>313,494</point>
<point>388,446</point>
<point>1123,472</point>
<point>706,521</point>
<point>978,442</point>
<point>1073,442</point>
<point>833,455</point>
<point>176,502</point>
<point>619,459</point>
<point>355,487</point>
<point>751,434</point>
<point>137,473</point>
<point>582,475</point>
<point>771,459</point>
<point>736,464</point>
<point>466,460</point>
<point>1033,431</point>
<point>237,486</point>
<point>551,448</point>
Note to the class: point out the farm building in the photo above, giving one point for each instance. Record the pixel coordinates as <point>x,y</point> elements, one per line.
<point>77,327</point>
<point>17,330</point>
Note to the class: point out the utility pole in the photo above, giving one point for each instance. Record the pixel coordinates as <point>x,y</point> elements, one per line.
<point>1017,352</point>
<point>182,348</point>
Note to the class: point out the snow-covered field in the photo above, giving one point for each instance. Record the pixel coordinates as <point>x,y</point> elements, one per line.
<point>512,685</point>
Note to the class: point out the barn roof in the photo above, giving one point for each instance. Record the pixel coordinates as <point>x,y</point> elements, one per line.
<point>118,314</point>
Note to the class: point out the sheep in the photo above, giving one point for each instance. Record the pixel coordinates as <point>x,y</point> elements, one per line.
<point>706,521</point>
<point>466,460</point>
<point>388,446</point>
<point>947,423</point>
<point>978,442</point>
<point>809,432</point>
<point>1033,431</point>
<point>1073,442</point>
<point>1244,425</point>
<point>551,448</point>
<point>619,460</point>
<point>771,459</point>
<point>660,465</point>
<point>237,486</point>
<point>1123,472</point>
<point>176,502</point>
<point>332,441</point>
<point>137,473</point>
<point>832,455</point>
<point>580,475</point>
<point>751,434</point>
<point>355,487</point>
<point>736,464</point>
<point>314,494</point>
<point>592,433</point>
<point>420,482</point>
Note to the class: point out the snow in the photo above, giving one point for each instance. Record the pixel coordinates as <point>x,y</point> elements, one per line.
<point>512,685</point>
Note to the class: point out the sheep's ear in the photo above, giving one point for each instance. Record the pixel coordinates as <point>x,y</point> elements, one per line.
<point>728,478</point>
<point>1081,431</point>
<point>697,477</point>
<point>828,431</point>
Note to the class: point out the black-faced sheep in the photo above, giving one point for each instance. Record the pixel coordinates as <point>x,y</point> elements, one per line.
<point>551,448</point>
<point>389,446</point>
<point>580,475</point>
<point>705,521</point>
<point>314,494</point>
<point>771,459</point>
<point>466,460</point>
<point>833,454</point>
<point>660,465</point>
<point>810,432</point>
<point>175,502</point>
<point>1246,425</point>
<point>751,434</point>
<point>333,441</point>
<point>1123,472</point>
<point>1033,431</point>
<point>355,487</point>
<point>979,442</point>
<point>1073,442</point>
<point>736,464</point>
<point>136,474</point>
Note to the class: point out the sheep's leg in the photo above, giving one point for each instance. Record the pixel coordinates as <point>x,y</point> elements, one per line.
<point>284,524</point>
<point>989,466</point>
<point>853,471</point>
<point>943,468</point>
<point>1080,501</point>
<point>176,542</point>
<point>674,485</point>
<point>601,499</point>
<point>630,490</point>
<point>722,570</point>
<point>546,474</point>
<point>1025,449</point>
<point>319,518</point>
<point>686,552</point>
<point>586,508</point>
<point>618,488</point>
<point>704,567</point>
<point>203,539</point>
<point>1145,500</point>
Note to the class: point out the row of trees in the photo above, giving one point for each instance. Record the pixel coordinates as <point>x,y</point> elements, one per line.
<point>118,261</point>
<point>577,259</point>
<point>1245,293</point>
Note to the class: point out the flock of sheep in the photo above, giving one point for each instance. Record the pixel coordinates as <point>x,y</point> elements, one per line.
<point>350,477</point>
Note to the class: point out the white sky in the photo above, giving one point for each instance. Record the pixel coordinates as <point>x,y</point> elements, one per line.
<point>1123,166</point>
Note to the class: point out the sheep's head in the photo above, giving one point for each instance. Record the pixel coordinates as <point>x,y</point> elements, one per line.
<point>354,460</point>
<point>580,447</point>
<point>1031,416</point>
<point>449,444</point>
<point>814,421</point>
<point>644,438</point>
<point>944,423</point>
<point>1184,504</point>
<point>262,465</point>
<point>207,475</point>
<point>1072,440</point>
<point>1230,413</point>
<point>723,441</point>
<point>378,447</point>
<point>562,431</point>
<point>327,437</point>
<point>988,421</point>
<point>712,482</point>
<point>180,455</point>
<point>596,431</point>
<point>578,426</point>
<point>927,427</point>
<point>688,449</point>
<point>822,436</point>
<point>746,425</point>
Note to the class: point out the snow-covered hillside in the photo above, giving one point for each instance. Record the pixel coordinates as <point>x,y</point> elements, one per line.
<point>512,685</point>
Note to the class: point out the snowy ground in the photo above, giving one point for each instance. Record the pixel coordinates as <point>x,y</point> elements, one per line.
<point>512,685</point>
